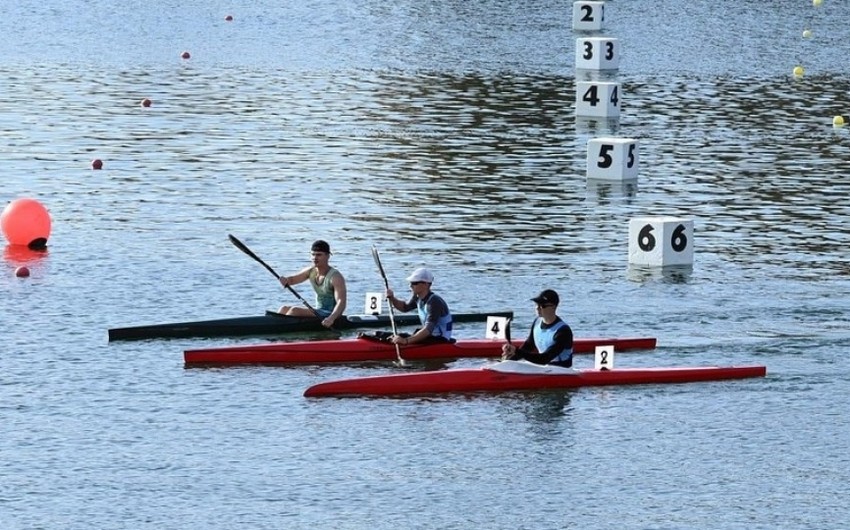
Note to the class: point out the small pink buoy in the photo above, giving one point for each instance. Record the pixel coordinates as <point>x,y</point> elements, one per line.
<point>146,102</point>
<point>22,272</point>
<point>26,222</point>
<point>229,18</point>
<point>185,55</point>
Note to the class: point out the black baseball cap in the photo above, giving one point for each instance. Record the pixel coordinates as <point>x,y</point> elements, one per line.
<point>547,297</point>
<point>321,246</point>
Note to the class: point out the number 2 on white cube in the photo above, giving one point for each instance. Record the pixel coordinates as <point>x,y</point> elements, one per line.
<point>604,358</point>
<point>588,16</point>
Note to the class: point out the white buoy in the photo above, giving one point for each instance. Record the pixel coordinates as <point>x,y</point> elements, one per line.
<point>599,99</point>
<point>588,16</point>
<point>661,241</point>
<point>374,304</point>
<point>610,158</point>
<point>597,53</point>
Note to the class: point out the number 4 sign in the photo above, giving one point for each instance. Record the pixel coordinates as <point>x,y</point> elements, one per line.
<point>599,99</point>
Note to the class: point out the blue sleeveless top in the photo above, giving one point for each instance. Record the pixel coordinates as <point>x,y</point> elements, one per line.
<point>443,327</point>
<point>544,338</point>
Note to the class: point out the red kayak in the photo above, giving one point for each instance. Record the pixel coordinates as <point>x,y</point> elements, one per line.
<point>521,375</point>
<point>368,350</point>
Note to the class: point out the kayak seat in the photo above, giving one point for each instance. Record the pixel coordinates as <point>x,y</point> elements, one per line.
<point>379,336</point>
<point>386,336</point>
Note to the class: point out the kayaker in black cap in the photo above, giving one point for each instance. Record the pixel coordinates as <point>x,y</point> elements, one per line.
<point>550,340</point>
<point>329,284</point>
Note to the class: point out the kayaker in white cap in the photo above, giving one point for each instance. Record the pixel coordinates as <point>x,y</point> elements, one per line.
<point>550,340</point>
<point>434,313</point>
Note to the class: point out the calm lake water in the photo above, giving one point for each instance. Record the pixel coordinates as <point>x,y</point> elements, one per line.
<point>444,134</point>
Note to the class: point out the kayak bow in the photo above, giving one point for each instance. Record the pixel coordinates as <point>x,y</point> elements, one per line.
<point>366,350</point>
<point>521,375</point>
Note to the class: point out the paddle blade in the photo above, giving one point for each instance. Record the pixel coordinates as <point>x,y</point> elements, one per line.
<point>377,259</point>
<point>244,248</point>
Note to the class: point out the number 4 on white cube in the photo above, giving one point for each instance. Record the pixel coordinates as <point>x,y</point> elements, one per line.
<point>612,158</point>
<point>496,328</point>
<point>661,241</point>
<point>599,99</point>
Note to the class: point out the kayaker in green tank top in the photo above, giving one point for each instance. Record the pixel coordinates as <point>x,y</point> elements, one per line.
<point>329,284</point>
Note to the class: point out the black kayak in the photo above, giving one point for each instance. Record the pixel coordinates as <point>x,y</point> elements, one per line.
<point>273,323</point>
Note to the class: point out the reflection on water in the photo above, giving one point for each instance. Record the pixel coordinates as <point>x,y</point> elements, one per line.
<point>604,190</point>
<point>668,274</point>
<point>22,255</point>
<point>546,412</point>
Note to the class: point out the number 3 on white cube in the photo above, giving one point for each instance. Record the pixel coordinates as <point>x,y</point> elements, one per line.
<point>598,99</point>
<point>496,328</point>
<point>597,53</point>
<point>612,158</point>
<point>661,241</point>
<point>604,358</point>
<point>374,304</point>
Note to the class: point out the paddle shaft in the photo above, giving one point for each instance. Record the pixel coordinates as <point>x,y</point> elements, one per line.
<point>389,303</point>
<point>241,246</point>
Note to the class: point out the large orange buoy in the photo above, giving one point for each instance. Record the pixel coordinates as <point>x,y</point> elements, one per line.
<point>26,222</point>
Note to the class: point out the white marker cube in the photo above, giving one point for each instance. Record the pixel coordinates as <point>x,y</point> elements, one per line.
<point>496,327</point>
<point>374,304</point>
<point>604,358</point>
<point>597,53</point>
<point>599,99</point>
<point>661,241</point>
<point>612,158</point>
<point>588,16</point>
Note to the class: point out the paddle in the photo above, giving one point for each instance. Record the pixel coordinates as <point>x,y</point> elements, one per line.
<point>390,304</point>
<point>241,246</point>
<point>507,332</point>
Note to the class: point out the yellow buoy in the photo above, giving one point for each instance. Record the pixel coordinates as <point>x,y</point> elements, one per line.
<point>807,33</point>
<point>798,71</point>
<point>817,3</point>
<point>838,121</point>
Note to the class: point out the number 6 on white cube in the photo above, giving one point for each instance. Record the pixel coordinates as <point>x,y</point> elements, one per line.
<point>604,359</point>
<point>374,304</point>
<point>661,241</point>
<point>496,328</point>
